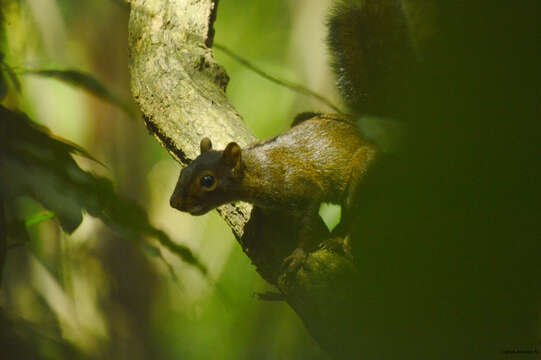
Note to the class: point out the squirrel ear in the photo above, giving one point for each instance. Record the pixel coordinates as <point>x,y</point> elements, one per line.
<point>231,155</point>
<point>205,145</point>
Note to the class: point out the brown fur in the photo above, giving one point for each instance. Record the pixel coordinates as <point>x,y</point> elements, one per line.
<point>320,159</point>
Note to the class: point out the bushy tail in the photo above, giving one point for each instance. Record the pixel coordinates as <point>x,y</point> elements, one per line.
<point>372,54</point>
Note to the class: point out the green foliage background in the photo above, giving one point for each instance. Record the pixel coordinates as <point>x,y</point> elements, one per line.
<point>91,293</point>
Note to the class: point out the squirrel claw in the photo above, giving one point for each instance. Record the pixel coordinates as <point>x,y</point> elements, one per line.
<point>295,260</point>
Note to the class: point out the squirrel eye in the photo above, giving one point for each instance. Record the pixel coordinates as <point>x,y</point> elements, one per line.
<point>207,181</point>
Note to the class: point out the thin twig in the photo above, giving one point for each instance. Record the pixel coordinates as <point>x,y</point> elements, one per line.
<point>295,87</point>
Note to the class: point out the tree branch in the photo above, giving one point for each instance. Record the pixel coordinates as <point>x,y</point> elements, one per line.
<point>180,90</point>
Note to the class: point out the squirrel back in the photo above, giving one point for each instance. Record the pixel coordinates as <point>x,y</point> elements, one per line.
<point>312,162</point>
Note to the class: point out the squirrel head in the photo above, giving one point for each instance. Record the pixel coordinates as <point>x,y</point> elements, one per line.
<point>210,180</point>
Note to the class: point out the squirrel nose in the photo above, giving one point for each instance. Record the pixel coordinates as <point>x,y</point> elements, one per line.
<point>175,202</point>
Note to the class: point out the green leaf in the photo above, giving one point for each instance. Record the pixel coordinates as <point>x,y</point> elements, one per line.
<point>38,218</point>
<point>86,82</point>
<point>37,164</point>
<point>331,214</point>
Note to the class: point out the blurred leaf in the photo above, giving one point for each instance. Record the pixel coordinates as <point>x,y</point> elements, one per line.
<point>270,296</point>
<point>182,251</point>
<point>37,164</point>
<point>17,232</point>
<point>38,218</point>
<point>151,250</point>
<point>86,82</point>
<point>23,340</point>
<point>156,252</point>
<point>331,214</point>
<point>3,4</point>
<point>122,3</point>
<point>6,69</point>
<point>3,86</point>
<point>17,126</point>
<point>13,78</point>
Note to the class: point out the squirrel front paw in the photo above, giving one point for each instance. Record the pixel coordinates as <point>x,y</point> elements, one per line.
<point>295,260</point>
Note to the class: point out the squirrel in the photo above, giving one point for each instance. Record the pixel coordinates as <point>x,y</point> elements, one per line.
<point>321,158</point>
